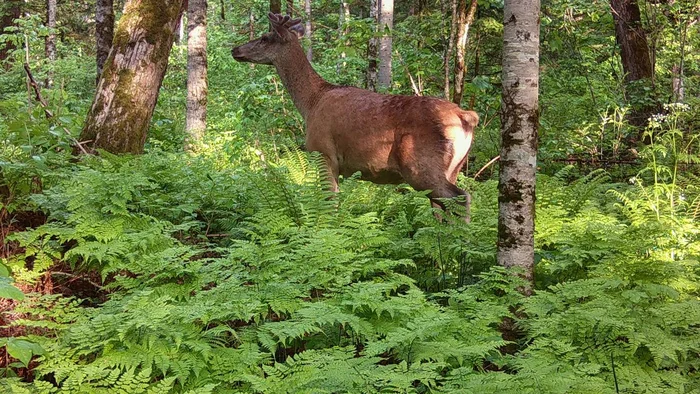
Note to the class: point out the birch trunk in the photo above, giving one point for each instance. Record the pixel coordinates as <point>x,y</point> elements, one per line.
<point>386,25</point>
<point>126,95</point>
<point>196,121</point>
<point>308,32</point>
<point>519,123</point>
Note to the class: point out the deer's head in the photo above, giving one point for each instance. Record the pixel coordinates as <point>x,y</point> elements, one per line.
<point>266,49</point>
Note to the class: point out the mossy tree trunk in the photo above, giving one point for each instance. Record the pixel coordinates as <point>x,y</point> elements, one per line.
<point>104,32</point>
<point>196,120</point>
<point>519,122</point>
<point>128,89</point>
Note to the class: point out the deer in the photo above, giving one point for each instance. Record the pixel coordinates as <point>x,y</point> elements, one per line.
<point>389,139</point>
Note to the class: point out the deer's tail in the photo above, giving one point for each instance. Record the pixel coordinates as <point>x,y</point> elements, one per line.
<point>469,120</point>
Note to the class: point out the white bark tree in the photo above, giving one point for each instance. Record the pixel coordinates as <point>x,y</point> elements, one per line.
<point>386,25</point>
<point>307,34</point>
<point>519,123</point>
<point>196,120</point>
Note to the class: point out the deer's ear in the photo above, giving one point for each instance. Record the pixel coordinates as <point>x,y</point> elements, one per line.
<point>297,29</point>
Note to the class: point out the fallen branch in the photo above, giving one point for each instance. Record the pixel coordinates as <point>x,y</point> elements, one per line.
<point>44,104</point>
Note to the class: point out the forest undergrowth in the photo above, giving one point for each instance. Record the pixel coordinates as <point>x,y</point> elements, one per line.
<point>212,273</point>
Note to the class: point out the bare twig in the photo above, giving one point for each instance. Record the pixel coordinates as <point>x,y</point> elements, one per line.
<point>416,89</point>
<point>486,166</point>
<point>76,277</point>
<point>32,82</point>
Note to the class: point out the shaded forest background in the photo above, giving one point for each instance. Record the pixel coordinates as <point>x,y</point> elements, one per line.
<point>228,267</point>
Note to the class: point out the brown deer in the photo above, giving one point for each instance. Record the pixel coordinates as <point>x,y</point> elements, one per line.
<point>422,141</point>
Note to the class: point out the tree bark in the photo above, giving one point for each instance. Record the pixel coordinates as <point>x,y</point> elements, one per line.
<point>251,25</point>
<point>104,32</point>
<point>197,88</point>
<point>50,40</point>
<point>519,123</point>
<point>343,19</point>
<point>372,47</point>
<point>449,48</point>
<point>634,51</point>
<point>386,25</point>
<point>635,56</point>
<point>11,10</point>
<point>465,19</point>
<point>276,6</point>
<point>126,95</point>
<point>307,33</point>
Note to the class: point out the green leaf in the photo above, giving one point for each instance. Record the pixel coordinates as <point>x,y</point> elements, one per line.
<point>9,291</point>
<point>23,350</point>
<point>4,271</point>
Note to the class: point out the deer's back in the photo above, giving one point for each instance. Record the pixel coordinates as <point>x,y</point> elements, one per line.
<point>364,130</point>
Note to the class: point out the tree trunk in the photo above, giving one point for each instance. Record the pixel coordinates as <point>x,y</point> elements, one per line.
<point>677,84</point>
<point>251,25</point>
<point>196,121</point>
<point>276,6</point>
<point>181,31</point>
<point>50,40</point>
<point>372,47</point>
<point>11,10</point>
<point>104,32</point>
<point>290,8</point>
<point>634,52</point>
<point>386,25</point>
<point>449,48</point>
<point>343,19</point>
<point>307,34</point>
<point>464,20</point>
<point>519,122</point>
<point>127,92</point>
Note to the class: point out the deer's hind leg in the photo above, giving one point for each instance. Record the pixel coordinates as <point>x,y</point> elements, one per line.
<point>431,172</point>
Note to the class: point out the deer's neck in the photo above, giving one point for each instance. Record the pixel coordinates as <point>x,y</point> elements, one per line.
<point>301,80</point>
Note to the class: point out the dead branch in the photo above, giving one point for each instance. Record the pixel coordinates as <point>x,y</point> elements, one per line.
<point>486,166</point>
<point>44,104</point>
